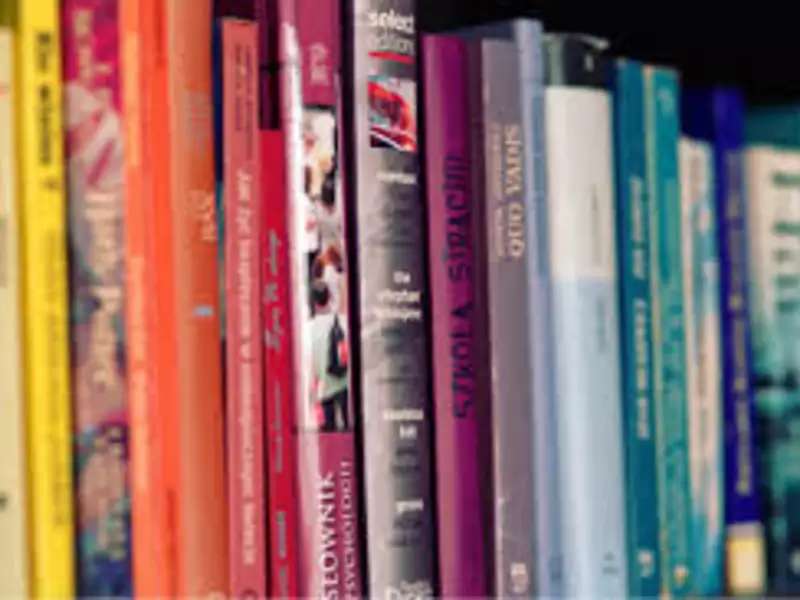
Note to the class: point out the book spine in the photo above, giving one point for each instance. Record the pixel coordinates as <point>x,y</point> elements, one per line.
<point>194,421</point>
<point>456,378</point>
<point>328,557</point>
<point>585,316</point>
<point>703,366</point>
<point>506,256</point>
<point>669,350</point>
<point>45,299</point>
<point>13,503</point>
<point>95,175</point>
<point>773,177</point>
<point>244,362</point>
<point>633,239</point>
<point>387,251</point>
<point>279,340</point>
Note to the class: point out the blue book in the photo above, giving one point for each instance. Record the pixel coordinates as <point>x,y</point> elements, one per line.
<point>527,37</point>
<point>773,220</point>
<point>717,116</point>
<point>633,245</point>
<point>585,314</point>
<point>703,365</point>
<point>662,107</point>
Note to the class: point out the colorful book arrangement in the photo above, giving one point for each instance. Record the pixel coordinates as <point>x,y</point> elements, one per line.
<point>294,306</point>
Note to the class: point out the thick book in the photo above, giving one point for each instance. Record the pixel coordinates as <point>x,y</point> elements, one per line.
<point>700,258</point>
<point>321,324</point>
<point>662,118</point>
<point>95,167</point>
<point>13,503</point>
<point>152,564</point>
<point>502,255</point>
<point>773,211</point>
<point>636,331</point>
<point>389,295</point>
<point>244,350</point>
<point>279,341</point>
<point>580,182</point>
<point>459,379</point>
<point>188,370</point>
<point>716,115</point>
<point>44,297</point>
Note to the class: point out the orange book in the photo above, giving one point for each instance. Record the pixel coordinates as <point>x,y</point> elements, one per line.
<point>150,530</point>
<point>185,351</point>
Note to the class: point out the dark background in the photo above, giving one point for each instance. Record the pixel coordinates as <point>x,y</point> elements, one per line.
<point>753,45</point>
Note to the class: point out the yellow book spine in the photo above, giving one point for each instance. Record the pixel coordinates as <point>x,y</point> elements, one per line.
<point>13,537</point>
<point>44,297</point>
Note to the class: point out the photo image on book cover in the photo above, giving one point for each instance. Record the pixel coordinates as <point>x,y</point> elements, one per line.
<point>328,399</point>
<point>392,113</point>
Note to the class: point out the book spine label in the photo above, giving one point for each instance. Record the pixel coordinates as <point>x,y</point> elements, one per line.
<point>45,298</point>
<point>669,350</point>
<point>194,423</point>
<point>633,235</point>
<point>244,362</point>
<point>456,378</point>
<point>773,182</point>
<point>506,255</point>
<point>387,245</point>
<point>703,364</point>
<point>585,313</point>
<point>279,341</point>
<point>329,562</point>
<point>95,174</point>
<point>13,509</point>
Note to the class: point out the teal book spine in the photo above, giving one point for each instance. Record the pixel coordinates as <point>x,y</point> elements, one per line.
<point>703,365</point>
<point>633,248</point>
<point>669,353</point>
<point>773,211</point>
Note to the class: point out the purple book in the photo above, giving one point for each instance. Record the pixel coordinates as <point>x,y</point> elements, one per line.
<point>459,386</point>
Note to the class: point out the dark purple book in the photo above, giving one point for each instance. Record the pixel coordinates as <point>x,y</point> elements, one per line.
<point>459,376</point>
<point>386,243</point>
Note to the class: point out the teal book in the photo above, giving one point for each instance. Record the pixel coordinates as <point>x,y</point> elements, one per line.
<point>773,211</point>
<point>701,294</point>
<point>662,109</point>
<point>636,327</point>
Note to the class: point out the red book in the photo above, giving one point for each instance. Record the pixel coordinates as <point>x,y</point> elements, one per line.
<point>278,339</point>
<point>244,362</point>
<point>327,486</point>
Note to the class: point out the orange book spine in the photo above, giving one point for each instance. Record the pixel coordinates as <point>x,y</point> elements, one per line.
<point>188,235</point>
<point>149,525</point>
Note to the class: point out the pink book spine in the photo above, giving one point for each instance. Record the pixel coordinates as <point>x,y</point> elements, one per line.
<point>244,358</point>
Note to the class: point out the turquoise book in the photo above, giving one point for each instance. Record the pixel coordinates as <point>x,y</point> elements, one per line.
<point>701,293</point>
<point>772,168</point>
<point>636,325</point>
<point>662,110</point>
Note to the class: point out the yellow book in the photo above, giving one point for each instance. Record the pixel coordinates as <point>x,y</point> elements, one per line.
<point>43,270</point>
<point>13,537</point>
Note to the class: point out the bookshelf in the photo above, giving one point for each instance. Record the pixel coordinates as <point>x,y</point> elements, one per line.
<point>751,49</point>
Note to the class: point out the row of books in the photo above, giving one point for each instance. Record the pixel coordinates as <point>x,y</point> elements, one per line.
<point>288,310</point>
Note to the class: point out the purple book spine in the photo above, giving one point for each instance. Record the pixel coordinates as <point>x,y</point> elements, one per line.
<point>456,373</point>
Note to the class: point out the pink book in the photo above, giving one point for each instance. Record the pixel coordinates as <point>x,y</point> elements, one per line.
<point>244,359</point>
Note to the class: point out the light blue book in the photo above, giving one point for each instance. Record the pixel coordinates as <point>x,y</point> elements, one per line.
<point>703,365</point>
<point>586,353</point>
<point>669,354</point>
<point>633,241</point>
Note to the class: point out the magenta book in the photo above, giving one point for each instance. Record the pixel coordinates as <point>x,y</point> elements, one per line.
<point>458,382</point>
<point>244,359</point>
<point>95,172</point>
<point>328,545</point>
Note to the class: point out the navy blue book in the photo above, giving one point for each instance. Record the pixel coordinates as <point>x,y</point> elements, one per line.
<point>717,116</point>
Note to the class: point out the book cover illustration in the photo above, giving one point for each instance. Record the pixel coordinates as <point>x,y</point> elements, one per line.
<point>703,365</point>
<point>95,176</point>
